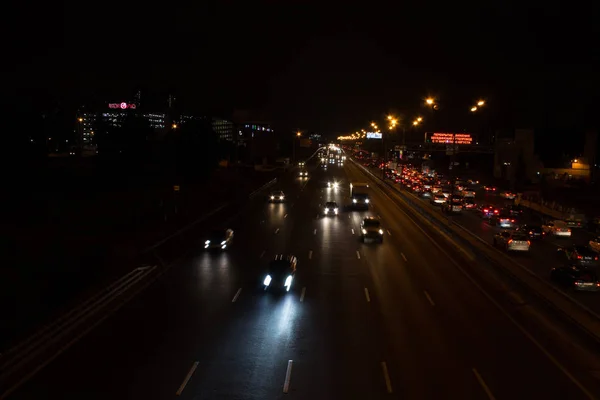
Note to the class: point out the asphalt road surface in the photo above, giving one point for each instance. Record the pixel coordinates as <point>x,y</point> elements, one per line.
<point>362,321</point>
<point>542,256</point>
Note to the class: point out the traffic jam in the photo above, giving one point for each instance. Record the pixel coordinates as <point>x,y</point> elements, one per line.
<point>564,251</point>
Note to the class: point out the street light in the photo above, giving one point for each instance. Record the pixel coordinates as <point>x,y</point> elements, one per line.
<point>419,119</point>
<point>473,109</point>
<point>481,103</point>
<point>174,126</point>
<point>429,101</point>
<point>80,119</point>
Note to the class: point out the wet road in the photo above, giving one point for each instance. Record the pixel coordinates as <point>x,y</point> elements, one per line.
<point>372,321</point>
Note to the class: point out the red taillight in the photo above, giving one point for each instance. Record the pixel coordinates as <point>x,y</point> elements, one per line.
<point>596,258</point>
<point>512,220</point>
<point>495,211</point>
<point>531,232</point>
<point>493,188</point>
<point>579,257</point>
<point>485,210</point>
<point>528,243</point>
<point>510,241</point>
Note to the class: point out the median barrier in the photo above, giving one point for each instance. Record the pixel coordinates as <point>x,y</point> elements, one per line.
<point>587,320</point>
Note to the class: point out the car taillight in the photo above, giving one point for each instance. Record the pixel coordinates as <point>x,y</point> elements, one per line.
<point>531,232</point>
<point>578,283</point>
<point>485,210</point>
<point>596,258</point>
<point>495,211</point>
<point>528,243</point>
<point>512,220</point>
<point>510,241</point>
<point>579,257</point>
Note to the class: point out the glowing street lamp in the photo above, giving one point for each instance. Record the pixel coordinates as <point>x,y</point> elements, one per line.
<point>419,119</point>
<point>298,133</point>
<point>80,119</point>
<point>481,103</point>
<point>473,109</point>
<point>174,126</point>
<point>429,101</point>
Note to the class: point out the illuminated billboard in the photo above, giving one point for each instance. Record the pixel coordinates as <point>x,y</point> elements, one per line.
<point>451,138</point>
<point>122,106</point>
<point>374,135</point>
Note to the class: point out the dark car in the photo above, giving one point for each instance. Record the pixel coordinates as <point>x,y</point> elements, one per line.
<point>280,273</point>
<point>469,203</point>
<point>576,278</point>
<point>578,255</point>
<point>487,211</point>
<point>504,220</point>
<point>515,211</point>
<point>331,208</point>
<point>533,231</point>
<point>219,239</point>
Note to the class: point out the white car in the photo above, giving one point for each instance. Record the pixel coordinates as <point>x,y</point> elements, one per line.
<point>276,196</point>
<point>557,228</point>
<point>303,174</point>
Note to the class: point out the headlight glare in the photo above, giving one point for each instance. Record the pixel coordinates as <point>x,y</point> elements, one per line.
<point>288,282</point>
<point>207,242</point>
<point>267,280</point>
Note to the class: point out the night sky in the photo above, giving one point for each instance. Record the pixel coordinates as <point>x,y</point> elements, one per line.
<point>328,67</point>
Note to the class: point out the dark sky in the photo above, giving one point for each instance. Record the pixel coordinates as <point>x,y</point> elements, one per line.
<point>317,66</point>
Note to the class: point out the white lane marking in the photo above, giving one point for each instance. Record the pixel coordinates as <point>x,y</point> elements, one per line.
<point>288,376</point>
<point>357,254</point>
<point>237,294</point>
<point>386,376</point>
<point>262,254</point>
<point>276,231</point>
<point>285,216</point>
<point>367,295</point>
<point>485,387</point>
<point>187,378</point>
<point>389,233</point>
<point>353,231</point>
<point>302,294</point>
<point>403,256</point>
<point>309,254</point>
<point>429,298</point>
<point>315,232</point>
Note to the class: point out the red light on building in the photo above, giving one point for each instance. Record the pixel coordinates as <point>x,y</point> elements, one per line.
<point>122,106</point>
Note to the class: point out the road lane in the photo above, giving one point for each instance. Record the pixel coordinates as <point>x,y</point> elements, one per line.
<point>480,335</point>
<point>340,345</point>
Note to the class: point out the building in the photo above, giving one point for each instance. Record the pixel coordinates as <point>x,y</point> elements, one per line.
<point>258,141</point>
<point>223,128</point>
<point>86,122</point>
<point>511,148</point>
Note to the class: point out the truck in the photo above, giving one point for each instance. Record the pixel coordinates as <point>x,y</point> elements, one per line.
<point>359,194</point>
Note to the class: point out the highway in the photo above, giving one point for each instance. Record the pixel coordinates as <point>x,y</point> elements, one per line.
<point>362,321</point>
<point>542,255</point>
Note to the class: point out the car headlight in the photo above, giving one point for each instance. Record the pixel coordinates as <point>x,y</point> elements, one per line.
<point>381,231</point>
<point>207,242</point>
<point>267,280</point>
<point>223,247</point>
<point>354,200</point>
<point>364,231</point>
<point>366,200</point>
<point>327,210</point>
<point>335,210</point>
<point>280,197</point>
<point>288,282</point>
<point>272,197</point>
<point>223,242</point>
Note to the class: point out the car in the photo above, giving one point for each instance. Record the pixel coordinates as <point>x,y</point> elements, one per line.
<point>332,185</point>
<point>490,189</point>
<point>514,210</point>
<point>576,278</point>
<point>508,195</point>
<point>370,228</point>
<point>468,193</point>
<point>503,220</point>
<point>512,241</point>
<point>276,196</point>
<point>280,273</point>
<point>595,244</point>
<point>557,229</point>
<point>301,164</point>
<point>578,255</point>
<point>487,210</point>
<point>533,231</point>
<point>303,174</point>
<point>219,239</point>
<point>331,208</point>
<point>438,199</point>
<point>469,203</point>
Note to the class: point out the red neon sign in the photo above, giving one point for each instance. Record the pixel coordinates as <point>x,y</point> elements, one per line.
<point>122,106</point>
<point>450,138</point>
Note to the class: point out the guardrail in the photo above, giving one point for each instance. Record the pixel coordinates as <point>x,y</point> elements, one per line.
<point>587,320</point>
<point>25,359</point>
<point>263,187</point>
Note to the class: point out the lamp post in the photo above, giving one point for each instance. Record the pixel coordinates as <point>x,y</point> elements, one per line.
<point>298,135</point>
